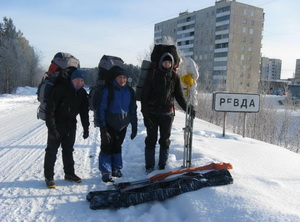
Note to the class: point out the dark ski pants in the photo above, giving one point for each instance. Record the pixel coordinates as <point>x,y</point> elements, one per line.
<point>67,143</point>
<point>110,157</point>
<point>163,123</point>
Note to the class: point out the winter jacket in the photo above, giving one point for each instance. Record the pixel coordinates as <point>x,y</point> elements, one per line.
<point>64,104</point>
<point>121,111</point>
<point>161,87</point>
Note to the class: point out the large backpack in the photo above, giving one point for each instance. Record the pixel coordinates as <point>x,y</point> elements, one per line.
<point>148,68</point>
<point>60,69</point>
<point>107,68</point>
<point>160,50</point>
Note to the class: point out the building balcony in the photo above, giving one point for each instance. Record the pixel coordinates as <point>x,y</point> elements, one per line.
<point>186,46</point>
<point>222,14</point>
<point>185,23</point>
<point>220,59</point>
<point>185,39</point>
<point>186,31</point>
<point>220,77</point>
<point>223,23</point>
<point>220,68</point>
<point>222,32</point>
<point>221,50</point>
<point>226,40</point>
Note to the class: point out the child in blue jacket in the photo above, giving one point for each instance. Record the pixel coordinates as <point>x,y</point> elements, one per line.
<point>115,116</point>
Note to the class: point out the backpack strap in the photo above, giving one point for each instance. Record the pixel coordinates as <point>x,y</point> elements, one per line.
<point>110,96</point>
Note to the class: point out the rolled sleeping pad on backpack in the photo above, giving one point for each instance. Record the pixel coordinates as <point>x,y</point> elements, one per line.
<point>146,67</point>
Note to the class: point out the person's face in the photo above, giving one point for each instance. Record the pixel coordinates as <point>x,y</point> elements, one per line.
<point>78,82</point>
<point>121,80</point>
<point>167,64</point>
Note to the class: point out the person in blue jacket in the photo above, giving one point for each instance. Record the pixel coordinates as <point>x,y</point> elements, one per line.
<point>117,109</point>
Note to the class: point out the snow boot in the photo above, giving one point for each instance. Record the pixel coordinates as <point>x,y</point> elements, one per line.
<point>163,157</point>
<point>149,170</point>
<point>117,173</point>
<point>50,182</point>
<point>73,178</point>
<point>150,158</point>
<point>106,177</point>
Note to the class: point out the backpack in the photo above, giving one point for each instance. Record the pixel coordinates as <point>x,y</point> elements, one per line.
<point>161,49</point>
<point>60,69</point>
<point>107,67</point>
<point>148,68</point>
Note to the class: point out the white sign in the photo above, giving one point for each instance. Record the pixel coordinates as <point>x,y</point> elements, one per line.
<point>235,102</point>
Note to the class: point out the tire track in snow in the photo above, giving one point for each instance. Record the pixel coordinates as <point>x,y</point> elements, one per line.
<point>23,139</point>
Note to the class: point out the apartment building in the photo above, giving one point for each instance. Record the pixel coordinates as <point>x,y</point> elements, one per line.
<point>225,42</point>
<point>270,69</point>
<point>297,70</point>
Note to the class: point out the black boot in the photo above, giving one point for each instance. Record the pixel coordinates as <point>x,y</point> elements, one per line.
<point>149,158</point>
<point>163,157</point>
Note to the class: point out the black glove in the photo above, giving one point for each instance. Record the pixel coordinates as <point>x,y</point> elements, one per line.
<point>105,137</point>
<point>54,133</point>
<point>85,134</point>
<point>148,123</point>
<point>133,132</point>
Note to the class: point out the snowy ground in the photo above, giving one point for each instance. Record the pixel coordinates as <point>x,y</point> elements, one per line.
<point>266,178</point>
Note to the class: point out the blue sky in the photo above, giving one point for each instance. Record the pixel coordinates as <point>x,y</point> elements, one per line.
<point>89,29</point>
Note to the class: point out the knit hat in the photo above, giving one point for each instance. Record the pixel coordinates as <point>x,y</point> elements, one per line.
<point>167,58</point>
<point>118,71</point>
<point>78,73</point>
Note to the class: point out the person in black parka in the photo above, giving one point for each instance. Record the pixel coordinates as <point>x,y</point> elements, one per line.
<point>67,99</point>
<point>163,86</point>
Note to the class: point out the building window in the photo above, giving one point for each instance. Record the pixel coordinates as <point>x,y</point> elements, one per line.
<point>222,45</point>
<point>222,18</point>
<point>244,29</point>
<point>251,31</point>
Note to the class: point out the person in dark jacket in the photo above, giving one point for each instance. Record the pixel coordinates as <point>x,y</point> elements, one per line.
<point>163,86</point>
<point>67,99</point>
<point>115,116</point>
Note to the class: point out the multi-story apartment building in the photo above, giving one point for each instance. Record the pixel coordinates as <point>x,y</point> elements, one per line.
<point>270,69</point>
<point>297,70</point>
<point>224,40</point>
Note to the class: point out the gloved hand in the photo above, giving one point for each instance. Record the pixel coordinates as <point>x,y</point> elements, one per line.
<point>105,137</point>
<point>55,133</point>
<point>148,123</point>
<point>85,134</point>
<point>133,132</point>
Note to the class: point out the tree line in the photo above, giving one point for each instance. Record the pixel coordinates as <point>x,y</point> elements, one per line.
<point>19,62</point>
